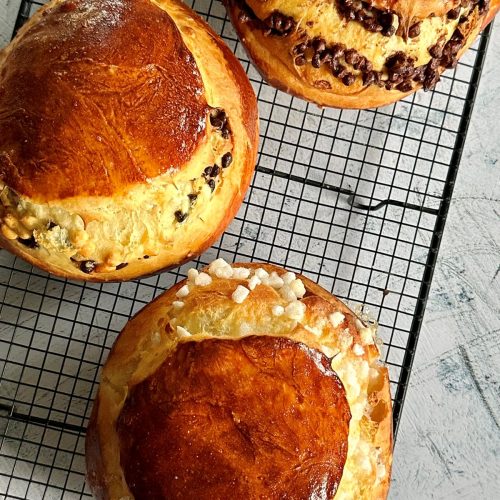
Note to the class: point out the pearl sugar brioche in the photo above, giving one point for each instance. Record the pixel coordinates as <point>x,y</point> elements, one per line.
<point>243,380</point>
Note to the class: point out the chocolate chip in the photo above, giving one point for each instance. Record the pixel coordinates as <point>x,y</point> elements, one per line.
<point>211,183</point>
<point>87,266</point>
<point>431,75</point>
<point>28,242</point>
<point>348,79</point>
<point>385,20</point>
<point>454,13</point>
<point>368,77</point>
<point>121,266</point>
<point>215,171</point>
<point>326,57</point>
<point>449,61</point>
<point>192,197</point>
<point>371,24</point>
<point>414,30</point>
<point>396,59</point>
<point>217,118</point>
<point>300,48</point>
<point>145,257</point>
<point>339,71</point>
<point>207,171</point>
<point>316,60</point>
<point>436,50</point>
<point>337,51</point>
<point>180,215</point>
<point>226,160</point>
<point>419,74</point>
<point>300,60</point>
<point>226,132</point>
<point>360,15</point>
<point>318,44</point>
<point>243,17</point>
<point>279,23</point>
<point>287,24</point>
<point>351,56</point>
<point>367,66</point>
<point>405,86</point>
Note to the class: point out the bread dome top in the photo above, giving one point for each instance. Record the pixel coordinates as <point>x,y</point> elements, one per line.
<point>97,96</point>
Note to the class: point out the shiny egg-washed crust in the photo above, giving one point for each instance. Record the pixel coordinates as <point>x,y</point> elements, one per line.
<point>101,132</point>
<point>272,55</point>
<point>209,312</point>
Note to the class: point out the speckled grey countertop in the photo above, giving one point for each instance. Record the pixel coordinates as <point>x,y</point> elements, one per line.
<point>449,438</point>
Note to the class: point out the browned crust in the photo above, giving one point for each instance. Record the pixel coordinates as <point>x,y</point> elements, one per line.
<point>492,12</point>
<point>130,344</point>
<point>267,53</point>
<point>247,116</point>
<point>95,114</point>
<point>236,418</point>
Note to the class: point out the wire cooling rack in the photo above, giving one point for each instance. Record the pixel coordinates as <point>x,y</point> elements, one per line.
<point>356,200</point>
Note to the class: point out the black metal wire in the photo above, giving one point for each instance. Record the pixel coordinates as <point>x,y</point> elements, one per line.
<point>356,200</point>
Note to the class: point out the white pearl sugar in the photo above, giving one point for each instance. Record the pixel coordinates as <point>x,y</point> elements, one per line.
<point>295,310</point>
<point>278,310</point>
<point>203,279</point>
<point>192,274</point>
<point>240,294</point>
<point>336,318</point>
<point>183,291</point>
<point>182,332</point>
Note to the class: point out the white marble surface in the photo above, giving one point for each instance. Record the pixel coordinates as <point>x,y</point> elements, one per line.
<point>449,438</point>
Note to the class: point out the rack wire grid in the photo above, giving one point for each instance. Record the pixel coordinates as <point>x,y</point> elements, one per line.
<point>355,200</point>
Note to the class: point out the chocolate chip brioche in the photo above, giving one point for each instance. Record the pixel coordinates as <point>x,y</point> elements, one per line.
<point>128,137</point>
<point>356,54</point>
<point>242,381</point>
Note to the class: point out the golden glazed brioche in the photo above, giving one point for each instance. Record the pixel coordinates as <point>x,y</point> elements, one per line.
<point>354,54</point>
<point>128,137</point>
<point>242,381</point>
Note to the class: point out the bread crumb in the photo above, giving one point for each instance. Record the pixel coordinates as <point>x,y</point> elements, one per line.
<point>314,330</point>
<point>345,339</point>
<point>245,328</point>
<point>240,294</point>
<point>329,352</point>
